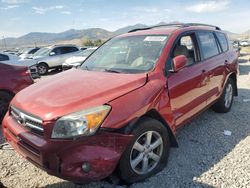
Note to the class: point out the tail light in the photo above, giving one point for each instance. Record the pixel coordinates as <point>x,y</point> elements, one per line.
<point>25,72</point>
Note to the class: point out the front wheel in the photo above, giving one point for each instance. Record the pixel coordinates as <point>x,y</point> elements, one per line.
<point>225,102</point>
<point>147,154</point>
<point>42,68</point>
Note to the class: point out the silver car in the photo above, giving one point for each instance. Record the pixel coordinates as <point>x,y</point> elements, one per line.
<point>53,56</point>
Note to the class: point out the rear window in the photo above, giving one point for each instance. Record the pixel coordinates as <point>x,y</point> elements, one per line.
<point>4,57</point>
<point>208,44</point>
<point>223,41</point>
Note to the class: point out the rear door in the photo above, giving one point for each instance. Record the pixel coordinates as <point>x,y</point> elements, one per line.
<point>68,51</point>
<point>188,87</point>
<point>214,59</point>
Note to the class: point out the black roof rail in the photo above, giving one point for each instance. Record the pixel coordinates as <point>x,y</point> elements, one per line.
<point>200,24</point>
<point>176,25</point>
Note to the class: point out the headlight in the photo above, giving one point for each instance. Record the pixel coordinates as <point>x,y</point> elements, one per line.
<point>83,123</point>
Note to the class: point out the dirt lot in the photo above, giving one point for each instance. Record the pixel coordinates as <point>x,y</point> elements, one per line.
<point>206,157</point>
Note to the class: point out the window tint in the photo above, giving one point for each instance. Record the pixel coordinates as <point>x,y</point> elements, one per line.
<point>208,44</point>
<point>4,57</point>
<point>33,51</point>
<point>57,51</point>
<point>66,50</point>
<point>223,41</point>
<point>74,49</point>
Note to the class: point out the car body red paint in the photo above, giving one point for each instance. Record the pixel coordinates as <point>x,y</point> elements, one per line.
<point>14,78</point>
<point>176,97</point>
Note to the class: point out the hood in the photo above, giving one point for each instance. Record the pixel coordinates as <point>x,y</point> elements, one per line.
<point>75,59</point>
<point>73,91</point>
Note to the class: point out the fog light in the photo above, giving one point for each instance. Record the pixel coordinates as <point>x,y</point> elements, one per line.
<point>86,167</point>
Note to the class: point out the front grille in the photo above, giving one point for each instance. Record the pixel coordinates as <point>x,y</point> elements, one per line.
<point>32,123</point>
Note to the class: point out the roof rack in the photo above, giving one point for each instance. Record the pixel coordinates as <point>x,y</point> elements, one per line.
<point>176,25</point>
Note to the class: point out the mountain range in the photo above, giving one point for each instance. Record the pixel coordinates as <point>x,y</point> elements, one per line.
<point>76,36</point>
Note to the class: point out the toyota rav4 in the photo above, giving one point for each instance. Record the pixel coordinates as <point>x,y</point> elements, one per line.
<point>119,112</point>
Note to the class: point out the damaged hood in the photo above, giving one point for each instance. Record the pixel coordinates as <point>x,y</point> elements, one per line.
<point>73,91</point>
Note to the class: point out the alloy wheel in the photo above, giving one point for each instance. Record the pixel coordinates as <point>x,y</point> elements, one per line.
<point>146,152</point>
<point>228,95</point>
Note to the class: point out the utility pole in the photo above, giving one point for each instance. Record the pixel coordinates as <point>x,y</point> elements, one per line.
<point>4,42</point>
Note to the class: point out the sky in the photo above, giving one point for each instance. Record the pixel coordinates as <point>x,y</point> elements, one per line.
<point>19,17</point>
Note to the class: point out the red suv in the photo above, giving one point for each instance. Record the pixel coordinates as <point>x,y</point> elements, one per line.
<point>12,80</point>
<point>119,112</point>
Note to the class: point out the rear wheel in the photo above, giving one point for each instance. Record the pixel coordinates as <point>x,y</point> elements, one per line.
<point>225,102</point>
<point>147,154</point>
<point>5,99</point>
<point>42,68</point>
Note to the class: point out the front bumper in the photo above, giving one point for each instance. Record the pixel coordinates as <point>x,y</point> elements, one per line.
<point>64,158</point>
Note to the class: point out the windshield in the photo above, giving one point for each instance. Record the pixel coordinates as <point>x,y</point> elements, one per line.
<point>134,54</point>
<point>42,52</point>
<point>86,52</point>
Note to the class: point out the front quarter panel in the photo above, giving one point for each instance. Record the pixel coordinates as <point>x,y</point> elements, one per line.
<point>125,109</point>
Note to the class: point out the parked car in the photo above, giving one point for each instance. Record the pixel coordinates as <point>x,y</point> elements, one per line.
<point>28,53</point>
<point>245,43</point>
<point>236,46</point>
<point>8,57</point>
<point>77,60</point>
<point>53,57</point>
<point>120,111</point>
<point>16,61</point>
<point>12,80</point>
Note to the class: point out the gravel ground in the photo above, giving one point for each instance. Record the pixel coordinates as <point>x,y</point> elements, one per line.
<point>205,157</point>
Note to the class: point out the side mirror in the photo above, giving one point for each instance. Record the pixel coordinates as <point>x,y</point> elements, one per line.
<point>179,62</point>
<point>52,53</point>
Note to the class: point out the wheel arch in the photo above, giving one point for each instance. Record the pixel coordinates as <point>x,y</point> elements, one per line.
<point>154,114</point>
<point>42,62</point>
<point>233,76</point>
<point>7,91</point>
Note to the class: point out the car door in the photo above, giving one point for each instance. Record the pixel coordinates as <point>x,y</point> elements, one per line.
<point>68,52</point>
<point>188,87</point>
<point>55,57</point>
<point>214,59</point>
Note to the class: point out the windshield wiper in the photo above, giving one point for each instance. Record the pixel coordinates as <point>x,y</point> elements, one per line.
<point>111,70</point>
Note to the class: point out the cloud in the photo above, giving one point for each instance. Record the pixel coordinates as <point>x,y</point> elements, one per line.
<point>14,1</point>
<point>146,9</point>
<point>42,10</point>
<point>9,7</point>
<point>209,6</point>
<point>66,12</point>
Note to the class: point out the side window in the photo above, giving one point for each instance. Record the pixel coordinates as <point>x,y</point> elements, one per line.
<point>57,50</point>
<point>208,43</point>
<point>33,51</point>
<point>223,41</point>
<point>187,45</point>
<point>74,49</point>
<point>66,50</point>
<point>4,57</point>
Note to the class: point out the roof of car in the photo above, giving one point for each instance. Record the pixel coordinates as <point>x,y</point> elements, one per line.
<point>167,29</point>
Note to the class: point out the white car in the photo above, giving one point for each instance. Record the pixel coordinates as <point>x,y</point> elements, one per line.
<point>52,57</point>
<point>244,43</point>
<point>77,59</point>
<point>15,60</point>
<point>28,53</point>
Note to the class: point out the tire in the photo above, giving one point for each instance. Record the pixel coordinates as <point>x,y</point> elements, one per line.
<point>224,103</point>
<point>128,170</point>
<point>42,68</point>
<point>5,99</point>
